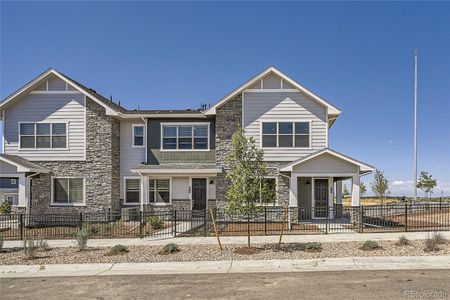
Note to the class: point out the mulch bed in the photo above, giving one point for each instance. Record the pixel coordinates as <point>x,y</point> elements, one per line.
<point>211,252</point>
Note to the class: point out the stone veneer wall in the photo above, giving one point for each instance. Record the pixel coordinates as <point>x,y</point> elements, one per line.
<point>101,169</point>
<point>228,119</point>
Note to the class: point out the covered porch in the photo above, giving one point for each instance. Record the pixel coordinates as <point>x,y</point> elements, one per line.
<point>316,183</point>
<point>15,178</point>
<point>184,186</point>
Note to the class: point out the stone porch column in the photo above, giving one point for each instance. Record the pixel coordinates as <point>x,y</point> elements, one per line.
<point>355,189</point>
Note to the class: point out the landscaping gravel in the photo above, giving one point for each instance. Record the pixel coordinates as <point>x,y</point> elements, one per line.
<point>211,252</point>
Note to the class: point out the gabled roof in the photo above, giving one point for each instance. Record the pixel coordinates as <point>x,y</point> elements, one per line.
<point>363,168</point>
<point>22,164</point>
<point>111,107</point>
<point>332,110</point>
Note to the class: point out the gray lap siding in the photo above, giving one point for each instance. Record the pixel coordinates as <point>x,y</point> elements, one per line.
<point>100,169</point>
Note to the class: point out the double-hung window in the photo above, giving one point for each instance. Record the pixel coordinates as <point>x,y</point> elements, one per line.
<point>138,136</point>
<point>159,191</point>
<point>185,137</point>
<point>43,135</point>
<point>68,191</point>
<point>285,134</point>
<point>132,191</point>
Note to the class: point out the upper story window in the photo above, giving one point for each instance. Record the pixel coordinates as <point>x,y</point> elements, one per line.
<point>42,135</point>
<point>185,136</point>
<point>138,135</point>
<point>285,134</point>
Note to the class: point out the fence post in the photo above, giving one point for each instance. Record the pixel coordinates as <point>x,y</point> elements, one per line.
<point>361,217</point>
<point>406,216</point>
<point>175,223</point>
<point>205,220</point>
<point>80,221</point>
<point>265,220</point>
<point>141,224</point>
<point>21,226</point>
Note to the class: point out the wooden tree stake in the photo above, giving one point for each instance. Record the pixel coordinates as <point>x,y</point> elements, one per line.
<point>215,228</point>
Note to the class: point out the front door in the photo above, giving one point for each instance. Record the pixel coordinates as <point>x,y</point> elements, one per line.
<point>320,198</point>
<point>199,193</point>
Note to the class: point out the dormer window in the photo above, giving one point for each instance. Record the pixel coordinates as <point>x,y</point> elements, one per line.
<point>43,135</point>
<point>285,134</point>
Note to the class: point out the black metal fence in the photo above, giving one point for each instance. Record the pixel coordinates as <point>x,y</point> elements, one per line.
<point>266,221</point>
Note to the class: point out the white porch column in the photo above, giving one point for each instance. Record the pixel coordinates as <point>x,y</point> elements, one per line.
<point>293,201</point>
<point>22,191</point>
<point>330,197</point>
<point>339,192</point>
<point>143,191</point>
<point>355,189</point>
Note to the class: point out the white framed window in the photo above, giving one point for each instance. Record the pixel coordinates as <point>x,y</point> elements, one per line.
<point>68,190</point>
<point>272,184</point>
<point>12,199</point>
<point>132,191</point>
<point>286,134</point>
<point>138,135</point>
<point>185,136</point>
<point>159,190</point>
<point>42,135</point>
<point>13,181</point>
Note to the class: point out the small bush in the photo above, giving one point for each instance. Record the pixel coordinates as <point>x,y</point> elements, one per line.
<point>370,245</point>
<point>42,243</point>
<point>29,248</point>
<point>403,241</point>
<point>440,238</point>
<point>82,237</point>
<point>313,247</point>
<point>431,244</point>
<point>171,248</point>
<point>155,222</point>
<point>5,208</point>
<point>118,249</point>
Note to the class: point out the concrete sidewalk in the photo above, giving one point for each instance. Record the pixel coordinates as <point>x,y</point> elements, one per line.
<point>337,237</point>
<point>230,266</point>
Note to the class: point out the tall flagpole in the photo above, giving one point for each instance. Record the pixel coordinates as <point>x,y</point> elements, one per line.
<point>415,125</point>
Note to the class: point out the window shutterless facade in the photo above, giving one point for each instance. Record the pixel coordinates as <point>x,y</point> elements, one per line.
<point>43,135</point>
<point>68,191</point>
<point>185,137</point>
<point>132,191</point>
<point>285,134</point>
<point>138,135</point>
<point>159,191</point>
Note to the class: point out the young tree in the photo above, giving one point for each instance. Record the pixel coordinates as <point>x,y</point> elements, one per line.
<point>426,183</point>
<point>362,189</point>
<point>380,185</point>
<point>246,172</point>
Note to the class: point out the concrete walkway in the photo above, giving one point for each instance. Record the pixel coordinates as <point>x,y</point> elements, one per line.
<point>230,266</point>
<point>338,237</point>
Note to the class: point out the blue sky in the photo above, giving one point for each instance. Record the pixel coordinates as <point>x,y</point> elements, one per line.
<point>358,56</point>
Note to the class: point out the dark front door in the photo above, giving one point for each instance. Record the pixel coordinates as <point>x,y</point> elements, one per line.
<point>320,198</point>
<point>199,193</point>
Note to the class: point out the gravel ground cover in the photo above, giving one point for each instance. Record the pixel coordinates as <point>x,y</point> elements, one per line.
<point>211,252</point>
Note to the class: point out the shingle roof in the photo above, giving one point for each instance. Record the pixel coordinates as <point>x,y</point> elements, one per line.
<point>33,167</point>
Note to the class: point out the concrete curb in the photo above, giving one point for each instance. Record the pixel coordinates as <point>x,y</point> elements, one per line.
<point>323,238</point>
<point>228,266</point>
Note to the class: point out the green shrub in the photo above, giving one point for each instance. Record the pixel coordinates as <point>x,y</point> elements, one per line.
<point>403,241</point>
<point>5,208</point>
<point>81,237</point>
<point>171,248</point>
<point>118,249</point>
<point>313,246</point>
<point>370,245</point>
<point>29,247</point>
<point>155,222</point>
